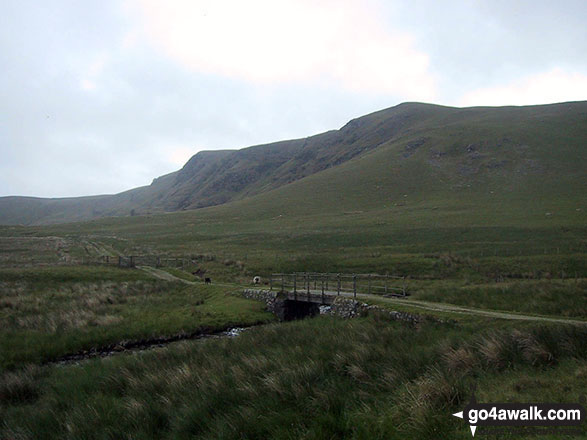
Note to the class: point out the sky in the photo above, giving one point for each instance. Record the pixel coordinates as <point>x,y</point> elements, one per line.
<point>101,97</point>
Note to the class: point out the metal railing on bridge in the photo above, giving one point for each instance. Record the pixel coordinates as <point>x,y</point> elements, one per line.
<point>331,283</point>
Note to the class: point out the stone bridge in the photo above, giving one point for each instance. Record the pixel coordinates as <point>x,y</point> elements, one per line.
<point>300,295</point>
<point>288,306</point>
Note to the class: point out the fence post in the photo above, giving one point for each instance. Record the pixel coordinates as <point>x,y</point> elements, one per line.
<point>132,261</point>
<point>271,282</point>
<point>295,283</point>
<point>308,283</point>
<point>369,284</point>
<point>283,282</point>
<point>354,286</point>
<point>386,277</point>
<point>322,289</point>
<point>119,261</point>
<point>404,286</point>
<point>338,279</point>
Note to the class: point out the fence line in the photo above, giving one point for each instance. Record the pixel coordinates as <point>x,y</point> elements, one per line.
<point>339,282</point>
<point>139,260</point>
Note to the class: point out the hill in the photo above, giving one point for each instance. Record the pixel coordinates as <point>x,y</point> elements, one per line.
<point>410,153</point>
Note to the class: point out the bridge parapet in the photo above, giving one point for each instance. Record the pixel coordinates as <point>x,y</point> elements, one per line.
<point>336,283</point>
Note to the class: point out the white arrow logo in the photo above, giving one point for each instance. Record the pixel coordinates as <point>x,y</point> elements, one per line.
<point>460,416</point>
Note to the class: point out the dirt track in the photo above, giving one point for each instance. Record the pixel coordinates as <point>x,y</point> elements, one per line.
<point>431,306</point>
<point>444,307</point>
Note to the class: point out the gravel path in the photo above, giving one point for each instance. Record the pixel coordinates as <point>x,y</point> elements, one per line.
<point>444,307</point>
<point>432,306</point>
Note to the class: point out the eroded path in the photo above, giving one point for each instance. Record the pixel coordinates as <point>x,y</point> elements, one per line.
<point>425,305</point>
<point>451,308</point>
<point>163,275</point>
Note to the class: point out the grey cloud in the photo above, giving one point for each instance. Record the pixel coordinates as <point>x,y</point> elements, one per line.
<point>57,139</point>
<point>480,43</point>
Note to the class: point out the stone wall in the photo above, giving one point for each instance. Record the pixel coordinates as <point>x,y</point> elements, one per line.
<point>267,296</point>
<point>344,308</point>
<point>350,308</point>
<point>341,307</point>
<point>411,318</point>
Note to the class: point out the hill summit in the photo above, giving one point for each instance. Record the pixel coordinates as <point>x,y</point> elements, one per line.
<point>426,151</point>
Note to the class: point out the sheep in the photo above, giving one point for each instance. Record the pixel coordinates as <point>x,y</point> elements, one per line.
<point>208,281</point>
<point>257,280</point>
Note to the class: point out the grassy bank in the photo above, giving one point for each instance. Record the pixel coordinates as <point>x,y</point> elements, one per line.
<point>562,298</point>
<point>315,379</point>
<point>52,311</point>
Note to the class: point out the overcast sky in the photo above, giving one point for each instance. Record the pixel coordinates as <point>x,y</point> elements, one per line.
<point>102,96</point>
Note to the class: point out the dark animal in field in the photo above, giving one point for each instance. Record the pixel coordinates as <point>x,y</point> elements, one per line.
<point>208,281</point>
<point>199,273</point>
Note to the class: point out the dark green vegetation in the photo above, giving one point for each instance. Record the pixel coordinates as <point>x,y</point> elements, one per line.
<point>481,207</point>
<point>49,312</point>
<point>315,379</point>
<point>476,196</point>
<point>487,162</point>
<point>566,298</point>
<point>464,202</point>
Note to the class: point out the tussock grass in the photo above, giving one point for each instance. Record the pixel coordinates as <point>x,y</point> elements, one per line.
<point>315,379</point>
<point>21,386</point>
<point>546,297</point>
<point>42,318</point>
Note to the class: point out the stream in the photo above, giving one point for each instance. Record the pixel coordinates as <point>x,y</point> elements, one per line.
<point>137,346</point>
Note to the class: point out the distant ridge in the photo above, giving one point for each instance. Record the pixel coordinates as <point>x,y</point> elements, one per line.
<point>420,148</point>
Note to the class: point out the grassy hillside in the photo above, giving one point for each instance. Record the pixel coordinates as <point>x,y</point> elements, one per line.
<point>479,208</point>
<point>478,195</point>
<point>481,160</point>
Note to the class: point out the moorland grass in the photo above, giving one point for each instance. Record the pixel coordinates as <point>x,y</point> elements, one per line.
<point>323,378</point>
<point>179,273</point>
<point>43,276</point>
<point>54,311</point>
<point>565,298</point>
<point>503,228</point>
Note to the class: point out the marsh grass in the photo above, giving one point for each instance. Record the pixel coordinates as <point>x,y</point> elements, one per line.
<point>20,387</point>
<point>558,297</point>
<point>541,284</point>
<point>314,379</point>
<point>57,311</point>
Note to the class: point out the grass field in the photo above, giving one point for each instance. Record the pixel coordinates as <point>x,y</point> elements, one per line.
<point>367,378</point>
<point>565,298</point>
<point>315,379</point>
<point>497,226</point>
<point>49,312</point>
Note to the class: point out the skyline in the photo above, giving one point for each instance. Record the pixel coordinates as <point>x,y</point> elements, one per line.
<point>98,99</point>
